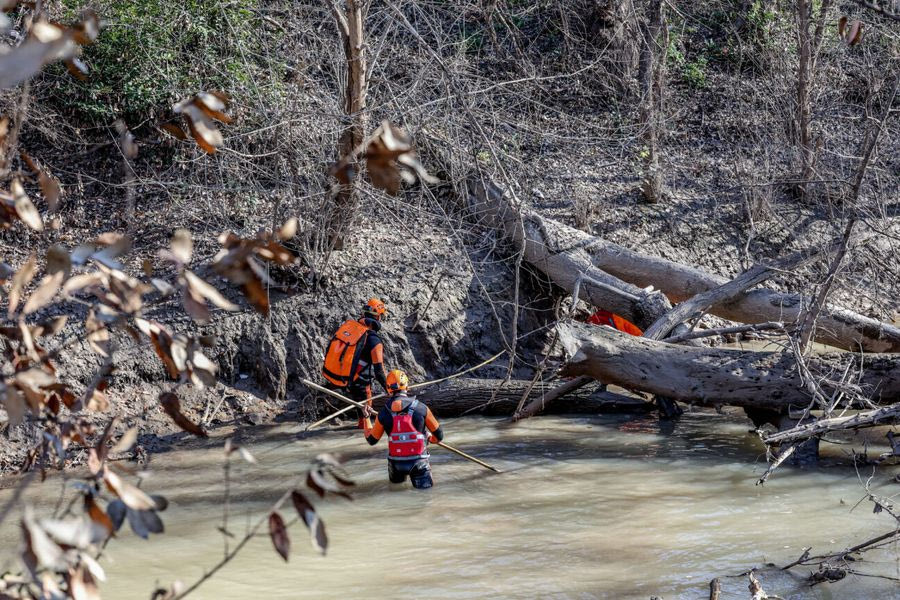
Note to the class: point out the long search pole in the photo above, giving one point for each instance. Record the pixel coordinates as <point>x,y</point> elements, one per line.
<point>318,387</point>
<point>412,387</point>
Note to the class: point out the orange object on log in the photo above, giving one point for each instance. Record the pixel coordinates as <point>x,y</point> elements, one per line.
<point>604,317</point>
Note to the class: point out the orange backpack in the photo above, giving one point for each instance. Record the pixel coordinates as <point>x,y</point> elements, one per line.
<point>342,355</point>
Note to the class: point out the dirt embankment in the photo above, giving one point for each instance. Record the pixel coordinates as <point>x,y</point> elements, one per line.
<point>545,106</point>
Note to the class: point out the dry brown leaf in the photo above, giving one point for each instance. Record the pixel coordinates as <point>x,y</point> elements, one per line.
<point>279,535</point>
<point>87,31</point>
<point>49,185</point>
<point>97,515</point>
<point>58,260</point>
<point>195,306</point>
<point>45,551</point>
<point>127,143</point>
<point>125,442</point>
<point>81,585</point>
<point>182,246</point>
<point>21,279</point>
<point>79,282</point>
<point>132,496</point>
<point>107,256</point>
<point>289,229</point>
<point>201,126</point>
<point>214,104</point>
<point>109,238</point>
<point>75,532</point>
<point>51,326</point>
<point>388,148</point>
<point>14,403</point>
<point>172,407</point>
<point>174,130</point>
<point>96,400</point>
<point>25,207</point>
<point>77,68</point>
<point>205,290</point>
<point>98,335</point>
<point>161,344</point>
<point>854,35</point>
<point>44,293</point>
<point>257,296</point>
<point>315,525</point>
<point>23,62</point>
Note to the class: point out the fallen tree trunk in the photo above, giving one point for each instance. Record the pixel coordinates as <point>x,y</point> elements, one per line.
<point>713,376</point>
<point>539,239</point>
<point>473,396</point>
<point>563,253</point>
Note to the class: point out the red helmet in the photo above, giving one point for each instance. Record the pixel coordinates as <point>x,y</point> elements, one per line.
<point>374,308</point>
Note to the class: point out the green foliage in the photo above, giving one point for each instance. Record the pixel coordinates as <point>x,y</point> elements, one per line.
<point>151,53</point>
<point>759,24</point>
<point>693,72</point>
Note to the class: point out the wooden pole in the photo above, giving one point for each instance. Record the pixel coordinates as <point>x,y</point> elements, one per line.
<point>414,386</point>
<point>318,387</point>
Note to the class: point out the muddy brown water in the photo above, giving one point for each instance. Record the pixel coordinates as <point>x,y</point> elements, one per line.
<point>588,507</point>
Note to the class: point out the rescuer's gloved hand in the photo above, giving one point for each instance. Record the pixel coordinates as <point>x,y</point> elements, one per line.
<point>432,439</point>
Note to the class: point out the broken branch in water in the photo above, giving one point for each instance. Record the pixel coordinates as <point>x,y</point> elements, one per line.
<point>870,418</point>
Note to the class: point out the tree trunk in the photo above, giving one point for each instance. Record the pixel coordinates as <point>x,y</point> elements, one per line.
<point>809,42</point>
<point>563,252</point>
<point>654,46</point>
<point>555,249</point>
<point>350,27</point>
<point>460,397</point>
<point>707,376</point>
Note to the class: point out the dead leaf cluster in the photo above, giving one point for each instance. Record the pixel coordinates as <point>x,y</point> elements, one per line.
<point>240,261</point>
<point>62,546</point>
<point>850,31</point>
<point>201,111</point>
<point>196,291</point>
<point>326,475</point>
<point>390,161</point>
<point>48,42</point>
<point>180,354</point>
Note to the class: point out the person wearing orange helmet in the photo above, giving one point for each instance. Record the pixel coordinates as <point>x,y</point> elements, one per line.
<point>410,425</point>
<point>355,355</point>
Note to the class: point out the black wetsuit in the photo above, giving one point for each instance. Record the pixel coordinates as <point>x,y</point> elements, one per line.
<point>423,421</point>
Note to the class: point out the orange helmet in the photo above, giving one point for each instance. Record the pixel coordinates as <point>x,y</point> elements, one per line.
<point>397,381</point>
<point>374,308</point>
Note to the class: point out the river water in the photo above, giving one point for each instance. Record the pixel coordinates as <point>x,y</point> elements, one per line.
<point>587,507</point>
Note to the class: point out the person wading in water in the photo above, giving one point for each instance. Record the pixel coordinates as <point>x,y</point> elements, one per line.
<point>355,356</point>
<point>407,423</point>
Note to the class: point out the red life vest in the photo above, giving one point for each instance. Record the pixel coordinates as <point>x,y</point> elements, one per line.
<point>405,441</point>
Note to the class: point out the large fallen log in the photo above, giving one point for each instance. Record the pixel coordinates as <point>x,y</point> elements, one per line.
<point>539,240</point>
<point>714,376</point>
<point>562,252</point>
<point>488,397</point>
